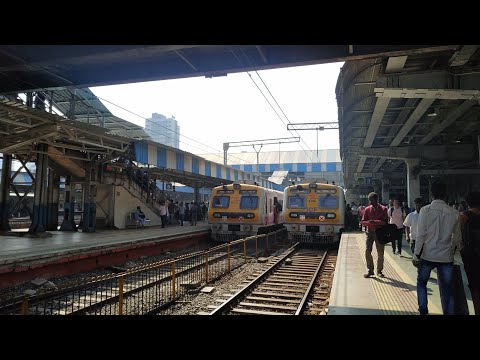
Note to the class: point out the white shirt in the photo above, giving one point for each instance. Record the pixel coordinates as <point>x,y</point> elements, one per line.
<point>354,210</point>
<point>163,210</point>
<point>438,231</point>
<point>396,217</point>
<point>411,221</point>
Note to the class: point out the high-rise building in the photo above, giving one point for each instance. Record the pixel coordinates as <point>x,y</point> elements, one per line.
<point>163,130</point>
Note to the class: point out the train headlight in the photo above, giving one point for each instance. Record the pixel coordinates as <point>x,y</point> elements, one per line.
<point>217,215</point>
<point>329,228</point>
<point>293,215</point>
<point>331,216</point>
<point>249,216</point>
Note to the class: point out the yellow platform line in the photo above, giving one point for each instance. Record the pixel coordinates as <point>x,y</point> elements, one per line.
<point>395,293</point>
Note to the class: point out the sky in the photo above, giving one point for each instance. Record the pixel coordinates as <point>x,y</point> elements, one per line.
<point>212,111</point>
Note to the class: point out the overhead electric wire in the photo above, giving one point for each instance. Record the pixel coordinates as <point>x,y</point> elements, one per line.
<point>250,64</point>
<point>219,153</point>
<point>176,132</point>
<point>308,155</point>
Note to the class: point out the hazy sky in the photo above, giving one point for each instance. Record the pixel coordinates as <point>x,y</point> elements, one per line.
<point>231,108</point>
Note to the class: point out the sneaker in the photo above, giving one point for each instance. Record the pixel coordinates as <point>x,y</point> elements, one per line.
<point>380,274</point>
<point>368,274</point>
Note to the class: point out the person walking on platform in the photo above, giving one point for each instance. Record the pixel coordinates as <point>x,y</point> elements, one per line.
<point>438,234</point>
<point>194,211</point>
<point>181,213</point>
<point>396,215</point>
<point>163,212</point>
<point>374,216</point>
<point>411,224</point>
<point>470,247</point>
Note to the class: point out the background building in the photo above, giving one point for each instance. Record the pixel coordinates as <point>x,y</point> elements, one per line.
<point>163,130</point>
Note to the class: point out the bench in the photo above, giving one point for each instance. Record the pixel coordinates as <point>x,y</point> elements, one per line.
<point>131,221</point>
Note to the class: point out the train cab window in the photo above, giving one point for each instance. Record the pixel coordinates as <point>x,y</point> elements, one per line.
<point>296,202</point>
<point>328,202</point>
<point>249,202</point>
<point>221,202</point>
<point>270,203</point>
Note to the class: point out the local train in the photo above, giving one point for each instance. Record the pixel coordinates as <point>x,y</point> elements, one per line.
<point>244,209</point>
<point>314,212</point>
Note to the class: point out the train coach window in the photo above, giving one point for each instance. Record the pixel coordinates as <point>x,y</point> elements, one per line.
<point>221,201</point>
<point>296,202</point>
<point>249,202</point>
<point>328,202</point>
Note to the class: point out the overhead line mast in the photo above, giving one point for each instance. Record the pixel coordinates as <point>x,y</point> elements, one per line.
<point>279,141</point>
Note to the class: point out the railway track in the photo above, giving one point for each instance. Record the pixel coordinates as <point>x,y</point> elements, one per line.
<point>285,286</point>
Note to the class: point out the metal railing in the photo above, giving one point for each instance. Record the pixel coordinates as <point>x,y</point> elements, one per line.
<point>147,289</point>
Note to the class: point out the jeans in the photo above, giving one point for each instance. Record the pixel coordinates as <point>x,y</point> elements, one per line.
<point>445,283</point>
<point>398,237</point>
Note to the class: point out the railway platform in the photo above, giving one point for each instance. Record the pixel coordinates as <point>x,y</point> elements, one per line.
<point>23,258</point>
<point>395,294</point>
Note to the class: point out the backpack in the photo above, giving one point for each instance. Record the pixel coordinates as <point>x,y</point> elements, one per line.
<point>471,235</point>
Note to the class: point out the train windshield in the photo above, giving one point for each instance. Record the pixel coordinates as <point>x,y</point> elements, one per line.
<point>328,202</point>
<point>296,202</point>
<point>221,201</point>
<point>249,202</point>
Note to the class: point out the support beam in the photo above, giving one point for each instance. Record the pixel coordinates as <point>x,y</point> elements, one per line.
<point>39,218</point>
<point>401,119</point>
<point>451,172</point>
<point>450,152</point>
<point>385,190</point>
<point>394,166</point>
<point>462,56</point>
<point>5,192</point>
<point>89,203</point>
<point>416,115</point>
<point>68,223</point>
<point>413,180</point>
<point>52,200</point>
<point>361,163</point>
<point>379,164</point>
<point>439,80</point>
<point>449,119</point>
<point>377,116</point>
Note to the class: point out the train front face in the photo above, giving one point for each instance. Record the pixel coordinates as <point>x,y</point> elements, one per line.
<point>234,211</point>
<point>314,213</point>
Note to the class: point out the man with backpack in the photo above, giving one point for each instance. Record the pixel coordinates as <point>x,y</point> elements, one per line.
<point>470,247</point>
<point>396,215</point>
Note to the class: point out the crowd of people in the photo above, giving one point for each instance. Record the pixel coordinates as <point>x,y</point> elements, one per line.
<point>435,232</point>
<point>175,213</point>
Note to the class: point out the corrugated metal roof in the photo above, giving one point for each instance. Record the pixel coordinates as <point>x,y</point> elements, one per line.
<point>272,157</point>
<point>91,110</point>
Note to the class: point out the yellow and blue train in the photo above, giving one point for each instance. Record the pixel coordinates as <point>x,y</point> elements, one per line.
<point>243,209</point>
<point>314,212</point>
